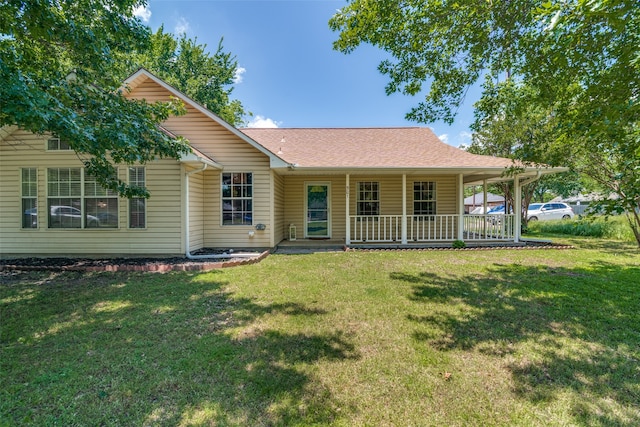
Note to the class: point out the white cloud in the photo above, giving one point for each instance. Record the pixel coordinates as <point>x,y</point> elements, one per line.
<point>237,76</point>
<point>142,12</point>
<point>464,138</point>
<point>182,27</point>
<point>263,122</point>
<point>444,138</point>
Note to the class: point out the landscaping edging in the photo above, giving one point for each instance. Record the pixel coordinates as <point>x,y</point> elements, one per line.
<point>153,266</point>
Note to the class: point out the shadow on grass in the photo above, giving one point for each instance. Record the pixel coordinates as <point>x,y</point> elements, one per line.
<point>575,331</point>
<point>156,350</point>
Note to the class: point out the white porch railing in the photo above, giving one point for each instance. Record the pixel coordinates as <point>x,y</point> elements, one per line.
<point>379,228</point>
<point>430,228</point>
<point>489,227</point>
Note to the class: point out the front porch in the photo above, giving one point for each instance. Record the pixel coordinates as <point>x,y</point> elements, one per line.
<point>383,211</point>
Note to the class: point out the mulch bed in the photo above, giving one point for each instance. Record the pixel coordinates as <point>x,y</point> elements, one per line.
<point>159,265</point>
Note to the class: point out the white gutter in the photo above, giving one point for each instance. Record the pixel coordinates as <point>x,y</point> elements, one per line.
<point>186,221</point>
<point>532,179</point>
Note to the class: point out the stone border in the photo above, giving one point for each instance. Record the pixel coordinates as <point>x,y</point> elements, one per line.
<point>188,265</point>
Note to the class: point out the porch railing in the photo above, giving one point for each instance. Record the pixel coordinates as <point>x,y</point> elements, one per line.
<point>379,228</point>
<point>489,227</point>
<point>430,228</point>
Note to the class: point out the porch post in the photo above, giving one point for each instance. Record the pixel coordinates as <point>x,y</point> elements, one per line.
<point>484,195</point>
<point>517,209</point>
<point>404,209</point>
<point>347,239</point>
<point>460,207</point>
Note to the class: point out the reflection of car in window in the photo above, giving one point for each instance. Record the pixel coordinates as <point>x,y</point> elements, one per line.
<point>70,217</point>
<point>31,218</point>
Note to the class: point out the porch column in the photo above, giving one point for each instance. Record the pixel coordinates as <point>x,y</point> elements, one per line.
<point>404,209</point>
<point>517,209</point>
<point>460,207</point>
<point>484,195</point>
<point>347,239</point>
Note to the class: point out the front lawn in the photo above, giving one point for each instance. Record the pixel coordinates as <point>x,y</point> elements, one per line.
<point>455,338</point>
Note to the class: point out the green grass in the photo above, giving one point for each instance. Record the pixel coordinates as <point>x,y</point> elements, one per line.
<point>498,337</point>
<point>614,227</point>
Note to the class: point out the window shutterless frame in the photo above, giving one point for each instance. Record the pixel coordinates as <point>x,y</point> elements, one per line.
<point>137,215</point>
<point>236,197</point>
<point>76,201</point>
<point>29,197</point>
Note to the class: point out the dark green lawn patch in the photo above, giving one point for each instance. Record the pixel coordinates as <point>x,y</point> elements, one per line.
<point>537,337</point>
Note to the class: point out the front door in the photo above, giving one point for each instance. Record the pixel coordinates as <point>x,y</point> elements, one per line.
<point>317,210</point>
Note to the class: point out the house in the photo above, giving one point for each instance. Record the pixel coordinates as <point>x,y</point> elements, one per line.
<point>247,188</point>
<point>476,200</point>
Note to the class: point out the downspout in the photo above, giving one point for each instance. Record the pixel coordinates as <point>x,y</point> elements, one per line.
<point>186,221</point>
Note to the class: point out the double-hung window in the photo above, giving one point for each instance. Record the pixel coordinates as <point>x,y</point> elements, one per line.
<point>76,200</point>
<point>368,202</point>
<point>237,198</point>
<point>424,198</point>
<point>29,194</point>
<point>137,205</point>
<point>100,205</point>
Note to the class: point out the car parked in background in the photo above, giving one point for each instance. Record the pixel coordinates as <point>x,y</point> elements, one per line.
<point>548,211</point>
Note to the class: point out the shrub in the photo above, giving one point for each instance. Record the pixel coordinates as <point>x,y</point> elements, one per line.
<point>458,244</point>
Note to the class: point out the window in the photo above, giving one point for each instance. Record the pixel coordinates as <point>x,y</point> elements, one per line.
<point>368,198</point>
<point>78,201</point>
<point>100,205</point>
<point>137,206</point>
<point>237,198</point>
<point>424,198</point>
<point>29,197</point>
<point>57,144</point>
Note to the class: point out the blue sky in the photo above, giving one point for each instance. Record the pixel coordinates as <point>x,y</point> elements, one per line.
<point>289,75</point>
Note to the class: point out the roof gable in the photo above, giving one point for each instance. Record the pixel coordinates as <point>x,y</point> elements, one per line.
<point>142,75</point>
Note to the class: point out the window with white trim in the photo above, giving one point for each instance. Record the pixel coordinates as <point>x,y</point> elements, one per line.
<point>137,205</point>
<point>57,144</point>
<point>424,198</point>
<point>78,201</point>
<point>29,194</point>
<point>368,202</point>
<point>237,198</point>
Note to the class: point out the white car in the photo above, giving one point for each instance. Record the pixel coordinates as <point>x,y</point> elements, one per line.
<point>547,211</point>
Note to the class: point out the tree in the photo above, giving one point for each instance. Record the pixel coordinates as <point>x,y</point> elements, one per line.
<point>187,66</point>
<point>581,60</point>
<point>57,75</point>
<point>508,125</point>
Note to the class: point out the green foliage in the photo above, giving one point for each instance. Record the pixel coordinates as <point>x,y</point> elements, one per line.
<point>614,227</point>
<point>187,66</point>
<point>57,75</point>
<point>458,244</point>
